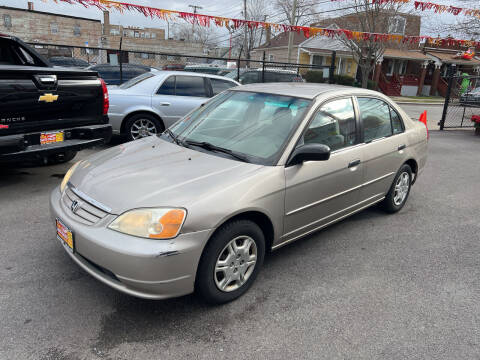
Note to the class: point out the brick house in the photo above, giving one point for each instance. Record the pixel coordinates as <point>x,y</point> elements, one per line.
<point>42,27</point>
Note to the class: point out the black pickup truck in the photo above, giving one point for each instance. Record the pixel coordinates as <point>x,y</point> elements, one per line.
<point>46,113</point>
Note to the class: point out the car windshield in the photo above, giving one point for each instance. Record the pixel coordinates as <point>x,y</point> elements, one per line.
<point>136,80</point>
<point>255,126</point>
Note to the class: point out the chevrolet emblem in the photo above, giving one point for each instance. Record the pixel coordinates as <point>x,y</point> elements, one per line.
<point>48,98</point>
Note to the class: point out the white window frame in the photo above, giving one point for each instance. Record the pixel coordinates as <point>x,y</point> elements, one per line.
<point>397,25</point>
<point>53,28</point>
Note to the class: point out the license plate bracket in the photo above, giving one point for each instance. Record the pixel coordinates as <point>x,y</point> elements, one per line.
<point>52,137</point>
<point>65,235</point>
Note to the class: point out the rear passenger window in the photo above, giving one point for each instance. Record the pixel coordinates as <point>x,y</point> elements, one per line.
<point>220,85</point>
<point>168,87</point>
<point>190,86</point>
<point>375,115</point>
<point>397,124</point>
<point>333,125</point>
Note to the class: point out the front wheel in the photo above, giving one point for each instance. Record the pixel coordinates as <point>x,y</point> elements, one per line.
<point>399,191</point>
<point>230,262</point>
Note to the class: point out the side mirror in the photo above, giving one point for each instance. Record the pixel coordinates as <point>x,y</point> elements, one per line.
<point>309,152</point>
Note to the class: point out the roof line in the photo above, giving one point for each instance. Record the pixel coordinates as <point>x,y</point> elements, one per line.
<point>49,13</point>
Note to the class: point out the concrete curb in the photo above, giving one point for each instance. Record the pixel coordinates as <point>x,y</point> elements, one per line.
<point>416,103</point>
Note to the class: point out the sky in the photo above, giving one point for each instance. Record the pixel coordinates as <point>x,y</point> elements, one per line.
<point>432,24</point>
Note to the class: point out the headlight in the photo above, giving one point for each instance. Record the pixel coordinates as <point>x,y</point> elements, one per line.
<point>67,176</point>
<point>163,223</point>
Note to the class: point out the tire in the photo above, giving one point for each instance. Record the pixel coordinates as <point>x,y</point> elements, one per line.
<point>214,286</point>
<point>397,197</point>
<point>141,125</point>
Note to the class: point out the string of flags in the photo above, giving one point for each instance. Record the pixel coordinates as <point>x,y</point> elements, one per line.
<point>438,8</point>
<point>232,23</point>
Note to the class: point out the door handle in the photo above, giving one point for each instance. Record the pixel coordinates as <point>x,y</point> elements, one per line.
<point>354,163</point>
<point>164,104</point>
<point>401,147</point>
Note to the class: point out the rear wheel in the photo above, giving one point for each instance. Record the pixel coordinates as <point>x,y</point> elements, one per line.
<point>399,191</point>
<point>230,262</point>
<point>142,125</point>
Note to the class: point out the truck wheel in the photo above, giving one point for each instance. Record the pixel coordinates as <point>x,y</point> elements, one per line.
<point>142,125</point>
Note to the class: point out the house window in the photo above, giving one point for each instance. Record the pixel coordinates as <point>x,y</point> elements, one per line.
<point>114,31</point>
<point>317,60</point>
<point>154,35</point>
<point>54,28</point>
<point>271,57</point>
<point>7,21</point>
<point>137,34</point>
<point>349,66</point>
<point>77,31</point>
<point>396,25</point>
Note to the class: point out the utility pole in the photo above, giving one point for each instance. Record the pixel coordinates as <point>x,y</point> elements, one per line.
<point>247,52</point>
<point>261,33</point>
<point>195,7</point>
<point>290,35</point>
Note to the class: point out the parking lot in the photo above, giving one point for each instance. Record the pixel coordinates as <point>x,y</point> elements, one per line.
<point>375,286</point>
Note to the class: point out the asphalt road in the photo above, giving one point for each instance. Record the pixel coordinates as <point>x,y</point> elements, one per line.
<point>434,113</point>
<point>374,286</point>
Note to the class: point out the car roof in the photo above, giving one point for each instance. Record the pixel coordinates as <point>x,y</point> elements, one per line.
<point>191,73</point>
<point>303,90</point>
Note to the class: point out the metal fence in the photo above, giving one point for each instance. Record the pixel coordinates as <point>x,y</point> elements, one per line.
<point>462,101</point>
<point>161,60</point>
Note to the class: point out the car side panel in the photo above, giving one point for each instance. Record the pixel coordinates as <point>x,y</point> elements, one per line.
<point>383,159</point>
<point>318,192</point>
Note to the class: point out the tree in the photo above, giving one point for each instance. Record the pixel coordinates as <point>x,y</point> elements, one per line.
<point>304,10</point>
<point>195,33</point>
<point>365,16</point>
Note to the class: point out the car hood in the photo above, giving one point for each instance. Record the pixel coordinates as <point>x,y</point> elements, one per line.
<point>153,172</point>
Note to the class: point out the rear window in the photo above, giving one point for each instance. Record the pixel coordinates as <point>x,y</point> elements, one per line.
<point>136,80</point>
<point>221,85</point>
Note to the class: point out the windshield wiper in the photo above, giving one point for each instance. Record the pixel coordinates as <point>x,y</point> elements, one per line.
<point>172,135</point>
<point>208,146</point>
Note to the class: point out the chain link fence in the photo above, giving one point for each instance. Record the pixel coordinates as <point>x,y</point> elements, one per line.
<point>462,101</point>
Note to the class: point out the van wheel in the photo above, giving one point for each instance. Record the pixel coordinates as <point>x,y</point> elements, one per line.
<point>230,262</point>
<point>142,125</point>
<point>399,191</point>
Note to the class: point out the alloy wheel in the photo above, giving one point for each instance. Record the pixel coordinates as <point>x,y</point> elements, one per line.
<point>401,188</point>
<point>235,264</point>
<point>142,128</point>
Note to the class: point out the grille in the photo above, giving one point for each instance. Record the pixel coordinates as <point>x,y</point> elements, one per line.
<point>85,212</point>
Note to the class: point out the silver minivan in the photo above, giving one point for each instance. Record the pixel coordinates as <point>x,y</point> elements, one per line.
<point>255,168</point>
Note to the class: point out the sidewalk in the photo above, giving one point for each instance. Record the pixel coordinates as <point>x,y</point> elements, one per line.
<point>425,100</point>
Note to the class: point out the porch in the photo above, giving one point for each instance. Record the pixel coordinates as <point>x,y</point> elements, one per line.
<point>403,73</point>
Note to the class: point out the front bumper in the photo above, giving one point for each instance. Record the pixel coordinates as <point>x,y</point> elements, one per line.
<point>26,146</point>
<point>151,269</point>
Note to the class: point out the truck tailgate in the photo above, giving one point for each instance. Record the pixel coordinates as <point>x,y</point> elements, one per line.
<point>33,98</point>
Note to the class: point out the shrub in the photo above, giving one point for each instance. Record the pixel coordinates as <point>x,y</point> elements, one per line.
<point>314,76</point>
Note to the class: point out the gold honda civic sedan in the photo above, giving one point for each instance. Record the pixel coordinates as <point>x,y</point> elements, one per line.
<point>255,168</point>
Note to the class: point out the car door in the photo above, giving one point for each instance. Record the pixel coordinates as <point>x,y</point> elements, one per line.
<point>319,192</point>
<point>178,95</point>
<point>385,142</point>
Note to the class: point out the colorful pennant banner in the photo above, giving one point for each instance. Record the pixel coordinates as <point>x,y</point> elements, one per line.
<point>420,5</point>
<point>231,23</point>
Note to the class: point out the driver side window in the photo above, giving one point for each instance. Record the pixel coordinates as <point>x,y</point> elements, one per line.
<point>333,125</point>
